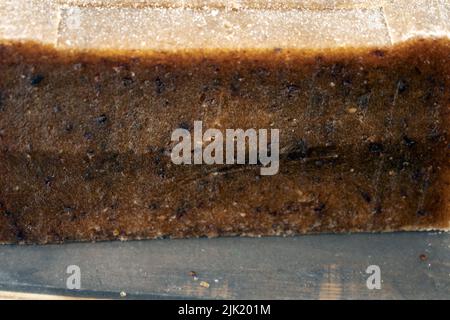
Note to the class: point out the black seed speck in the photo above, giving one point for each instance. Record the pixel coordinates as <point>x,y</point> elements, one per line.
<point>235,84</point>
<point>337,69</point>
<point>363,101</point>
<point>300,150</point>
<point>20,235</point>
<point>88,175</point>
<point>127,81</point>
<point>434,135</point>
<point>317,100</point>
<point>181,210</point>
<point>409,142</point>
<point>48,180</point>
<point>347,86</point>
<point>375,147</point>
<point>68,127</point>
<point>417,70</point>
<point>35,80</point>
<point>184,125</point>
<point>216,82</point>
<point>421,213</point>
<point>347,83</point>
<point>366,196</point>
<point>402,86</point>
<point>101,119</point>
<point>417,175</point>
<point>68,209</point>
<point>88,135</point>
<point>319,208</point>
<point>160,85</point>
<point>378,53</point>
<point>153,206</point>
<point>291,90</point>
<point>378,209</point>
<point>8,213</point>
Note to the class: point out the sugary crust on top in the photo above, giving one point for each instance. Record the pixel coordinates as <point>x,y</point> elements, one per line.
<point>231,4</point>
<point>157,25</point>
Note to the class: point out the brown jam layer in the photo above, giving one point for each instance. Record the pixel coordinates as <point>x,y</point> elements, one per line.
<point>85,141</point>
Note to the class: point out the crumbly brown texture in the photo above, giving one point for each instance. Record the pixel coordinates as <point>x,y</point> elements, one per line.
<point>85,140</point>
